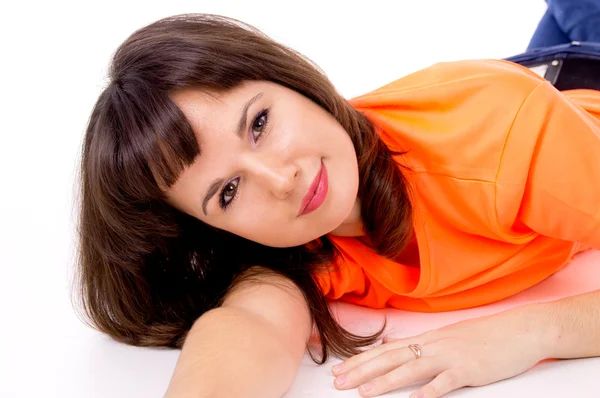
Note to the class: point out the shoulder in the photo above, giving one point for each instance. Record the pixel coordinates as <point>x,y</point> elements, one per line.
<point>271,296</point>
<point>459,78</point>
<point>451,119</point>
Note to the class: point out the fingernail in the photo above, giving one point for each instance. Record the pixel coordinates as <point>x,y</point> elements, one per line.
<point>338,368</point>
<point>418,395</point>
<point>341,379</point>
<point>367,387</point>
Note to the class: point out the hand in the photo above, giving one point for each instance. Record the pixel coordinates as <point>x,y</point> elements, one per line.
<point>475,352</point>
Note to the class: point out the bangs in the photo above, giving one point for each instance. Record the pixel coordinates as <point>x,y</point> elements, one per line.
<point>174,147</point>
<point>156,141</point>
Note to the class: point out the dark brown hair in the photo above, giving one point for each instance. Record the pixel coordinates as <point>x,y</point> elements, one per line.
<point>147,271</point>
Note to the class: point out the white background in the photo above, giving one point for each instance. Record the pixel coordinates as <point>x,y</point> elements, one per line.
<point>53,67</point>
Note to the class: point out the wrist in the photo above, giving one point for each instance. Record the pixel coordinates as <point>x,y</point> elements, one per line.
<point>542,323</point>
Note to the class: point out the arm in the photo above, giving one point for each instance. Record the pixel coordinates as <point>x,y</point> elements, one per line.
<point>479,351</point>
<point>570,327</point>
<point>251,346</point>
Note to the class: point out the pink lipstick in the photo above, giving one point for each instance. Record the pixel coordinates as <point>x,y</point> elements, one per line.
<point>317,192</point>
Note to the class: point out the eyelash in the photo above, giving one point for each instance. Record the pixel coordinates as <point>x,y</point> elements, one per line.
<point>261,114</point>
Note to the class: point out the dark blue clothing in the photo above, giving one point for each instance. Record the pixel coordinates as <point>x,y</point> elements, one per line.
<point>566,21</point>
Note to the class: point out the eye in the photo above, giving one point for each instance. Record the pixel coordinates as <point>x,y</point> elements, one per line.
<point>229,193</point>
<point>230,190</point>
<point>259,125</point>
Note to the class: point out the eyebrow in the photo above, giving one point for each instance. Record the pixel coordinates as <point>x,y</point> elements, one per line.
<point>214,187</point>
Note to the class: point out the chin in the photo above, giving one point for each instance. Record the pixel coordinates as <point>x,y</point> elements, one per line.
<point>345,210</point>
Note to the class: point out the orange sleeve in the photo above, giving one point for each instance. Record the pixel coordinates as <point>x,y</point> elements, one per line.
<point>348,278</point>
<point>548,179</point>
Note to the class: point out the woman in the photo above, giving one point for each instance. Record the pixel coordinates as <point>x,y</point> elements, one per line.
<point>228,190</point>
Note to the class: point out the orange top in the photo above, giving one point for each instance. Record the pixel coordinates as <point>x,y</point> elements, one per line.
<point>505,176</point>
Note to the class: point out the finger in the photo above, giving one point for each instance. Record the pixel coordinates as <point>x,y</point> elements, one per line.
<point>367,355</point>
<point>359,359</point>
<point>377,366</point>
<point>411,372</point>
<point>445,382</point>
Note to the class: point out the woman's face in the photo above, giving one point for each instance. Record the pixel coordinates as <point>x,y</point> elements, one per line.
<point>265,151</point>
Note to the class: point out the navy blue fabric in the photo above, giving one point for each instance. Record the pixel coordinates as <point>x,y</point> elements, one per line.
<point>566,21</point>
<point>561,51</point>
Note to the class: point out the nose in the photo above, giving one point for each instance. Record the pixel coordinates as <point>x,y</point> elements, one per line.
<point>275,175</point>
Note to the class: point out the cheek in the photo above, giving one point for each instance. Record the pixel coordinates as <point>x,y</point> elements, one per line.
<point>301,123</point>
<point>259,230</point>
<point>256,218</point>
<point>291,136</point>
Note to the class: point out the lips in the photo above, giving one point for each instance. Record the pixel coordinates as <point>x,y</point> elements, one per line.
<point>317,192</point>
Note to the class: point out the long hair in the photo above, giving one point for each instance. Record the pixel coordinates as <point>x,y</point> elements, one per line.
<point>146,271</point>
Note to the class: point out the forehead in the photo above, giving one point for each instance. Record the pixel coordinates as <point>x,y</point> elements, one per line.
<point>198,105</point>
<point>201,104</point>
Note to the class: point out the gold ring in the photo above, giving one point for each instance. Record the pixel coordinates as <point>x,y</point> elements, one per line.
<point>416,349</point>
